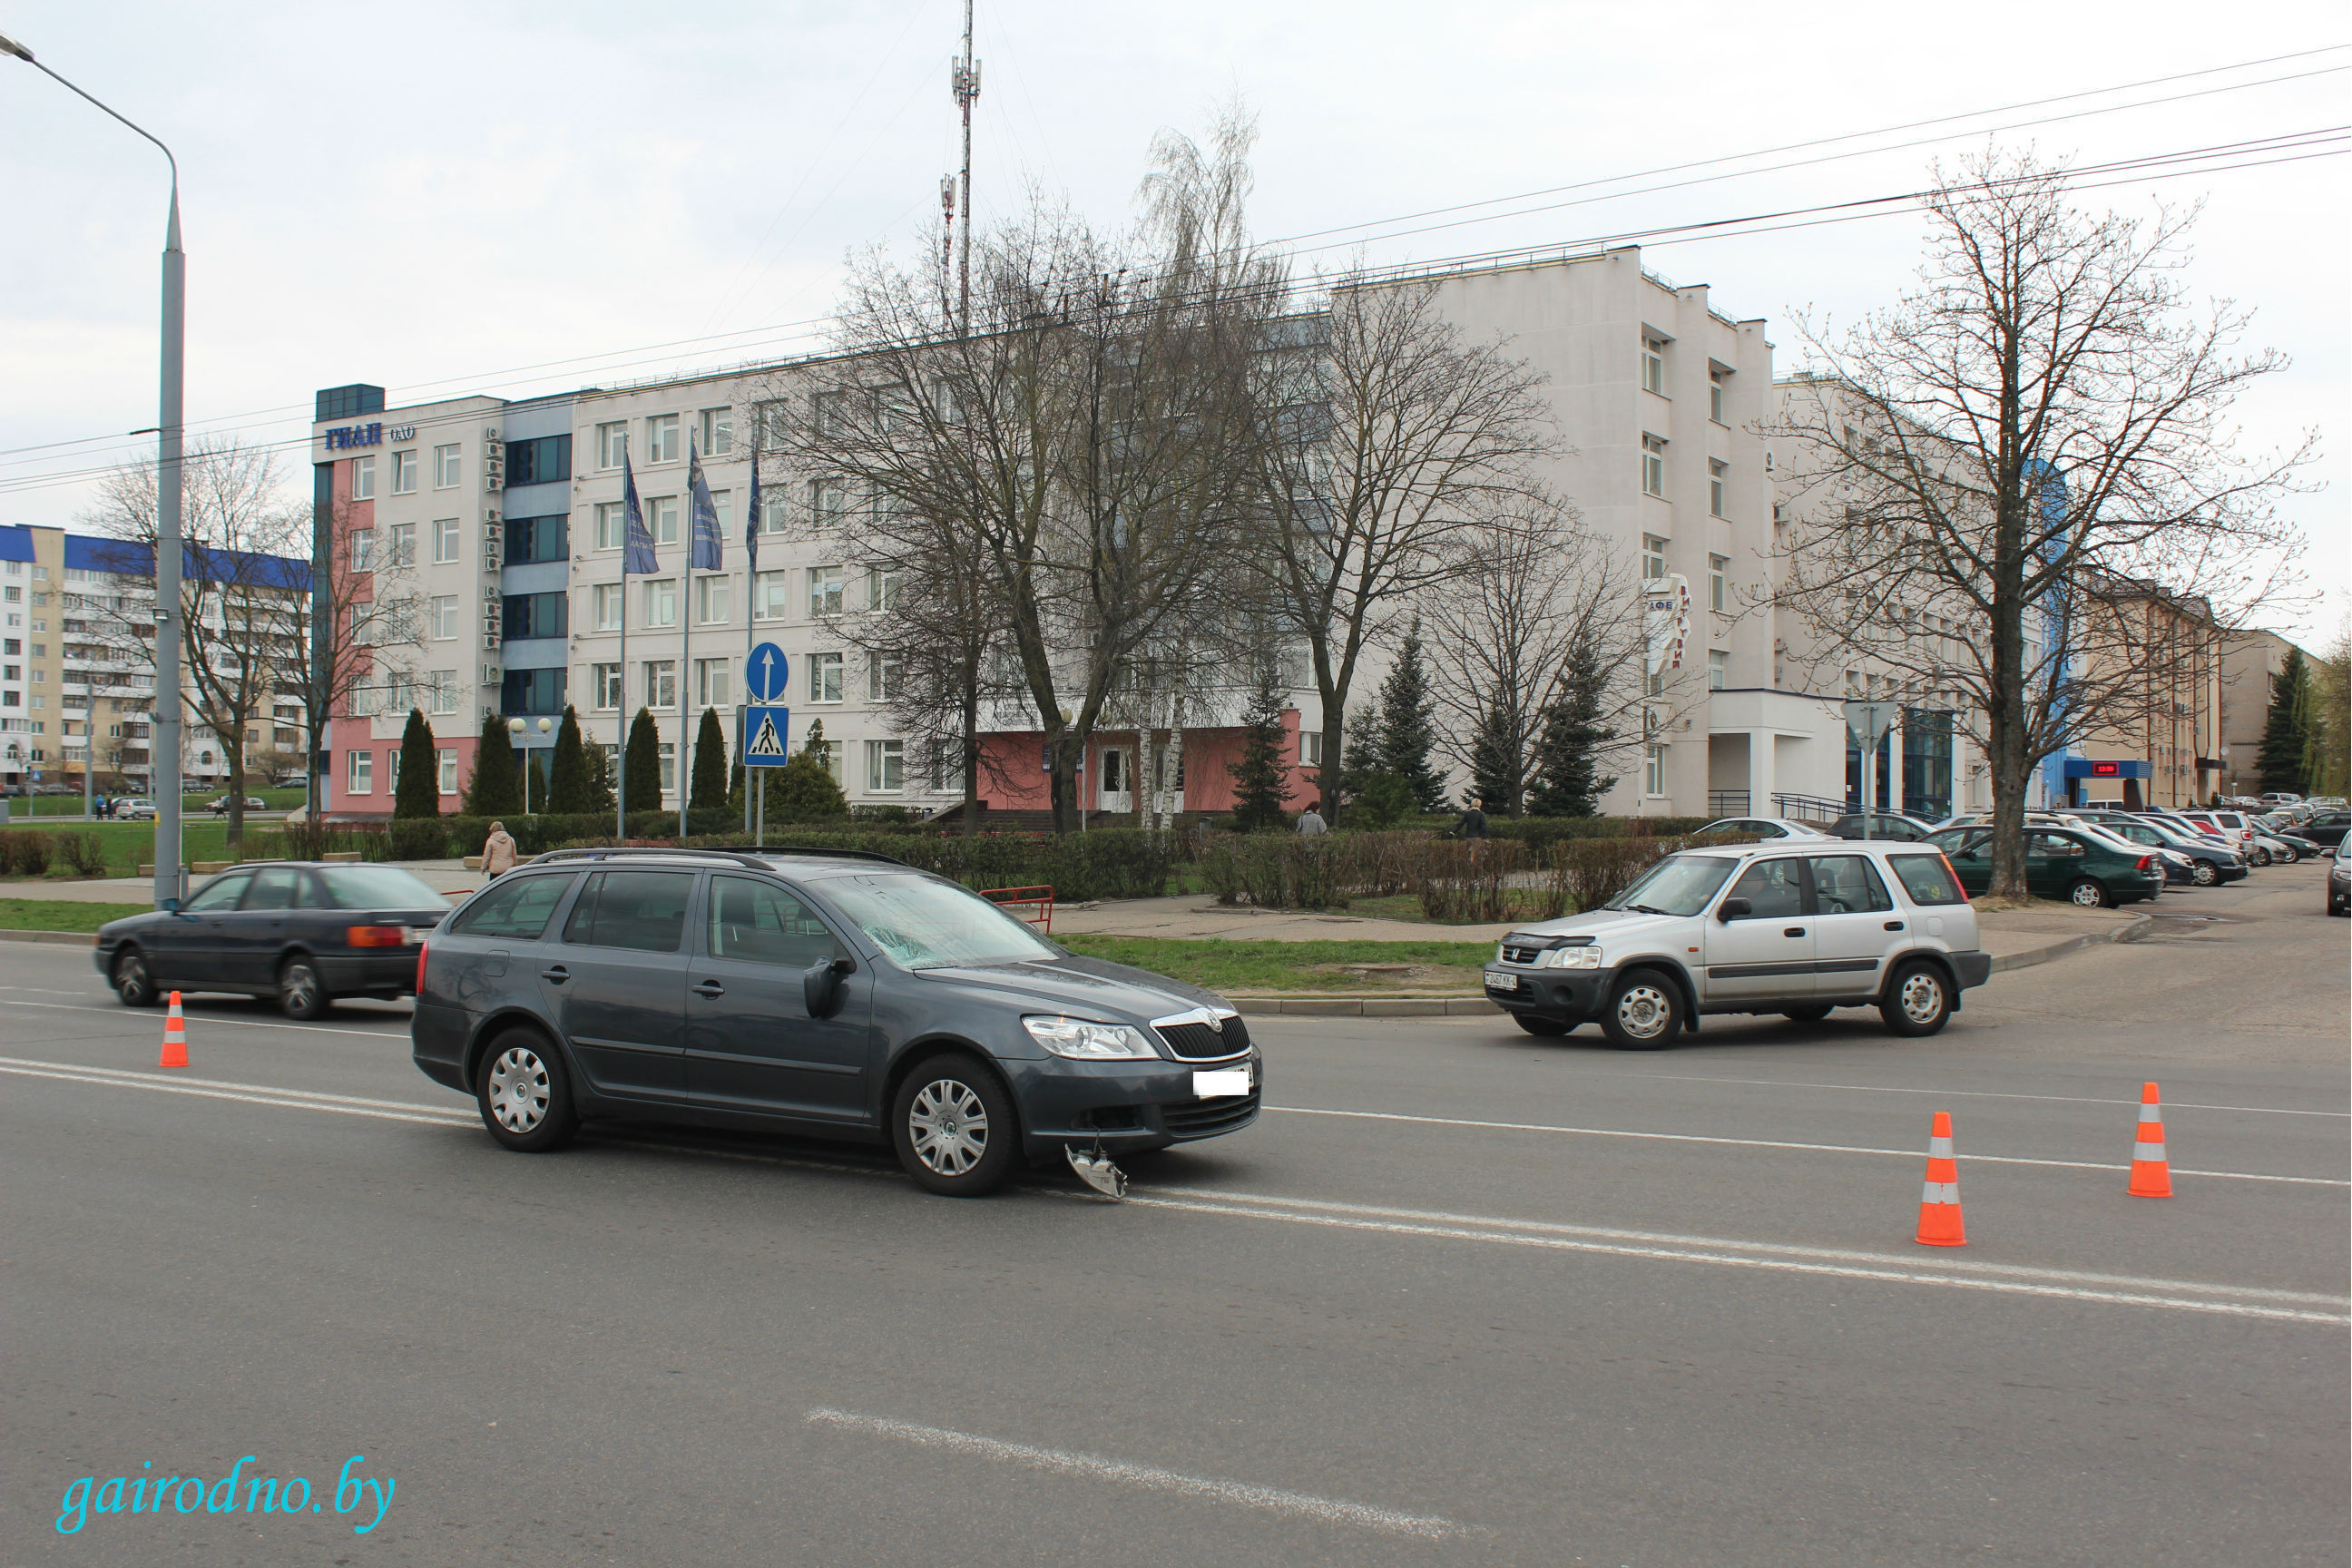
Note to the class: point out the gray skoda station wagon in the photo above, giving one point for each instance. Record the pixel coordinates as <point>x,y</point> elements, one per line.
<point>825,993</point>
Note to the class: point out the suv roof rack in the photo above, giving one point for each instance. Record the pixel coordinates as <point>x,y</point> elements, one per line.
<point>752,857</point>
<point>832,854</point>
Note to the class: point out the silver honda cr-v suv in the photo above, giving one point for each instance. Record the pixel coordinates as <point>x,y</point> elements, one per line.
<point>1788,927</point>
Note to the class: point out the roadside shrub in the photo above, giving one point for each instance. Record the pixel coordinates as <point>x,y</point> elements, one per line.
<point>1462,882</point>
<point>84,854</point>
<point>24,854</point>
<point>1540,833</point>
<point>416,838</point>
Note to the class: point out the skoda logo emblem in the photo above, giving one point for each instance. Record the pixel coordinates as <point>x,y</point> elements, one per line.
<point>1216,1023</point>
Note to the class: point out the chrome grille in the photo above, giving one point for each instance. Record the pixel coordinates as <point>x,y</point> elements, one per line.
<point>1520,954</point>
<point>1203,1042</point>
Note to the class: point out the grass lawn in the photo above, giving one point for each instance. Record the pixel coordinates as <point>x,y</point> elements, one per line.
<point>1257,968</point>
<point>57,914</point>
<point>130,844</point>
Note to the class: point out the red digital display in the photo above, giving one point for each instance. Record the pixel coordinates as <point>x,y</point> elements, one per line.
<point>2106,770</point>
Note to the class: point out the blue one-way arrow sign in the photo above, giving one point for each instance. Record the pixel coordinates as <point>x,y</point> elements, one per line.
<point>766,674</point>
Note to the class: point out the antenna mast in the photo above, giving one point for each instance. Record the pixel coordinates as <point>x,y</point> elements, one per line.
<point>966,83</point>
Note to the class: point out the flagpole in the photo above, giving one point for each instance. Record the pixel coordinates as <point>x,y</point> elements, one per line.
<point>684,673</point>
<point>621,791</point>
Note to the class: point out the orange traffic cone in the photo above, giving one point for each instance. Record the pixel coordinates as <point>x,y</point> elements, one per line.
<point>1940,1205</point>
<point>176,1036</point>
<point>2151,1174</point>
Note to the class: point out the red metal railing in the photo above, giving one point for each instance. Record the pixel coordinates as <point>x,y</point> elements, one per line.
<point>1040,898</point>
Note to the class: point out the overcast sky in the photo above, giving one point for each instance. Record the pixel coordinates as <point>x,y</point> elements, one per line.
<point>444,199</point>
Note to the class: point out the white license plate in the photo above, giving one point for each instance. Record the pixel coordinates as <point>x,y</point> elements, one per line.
<point>1502,983</point>
<point>1220,1083</point>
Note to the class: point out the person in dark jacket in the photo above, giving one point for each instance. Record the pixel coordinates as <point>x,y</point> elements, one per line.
<point>1474,821</point>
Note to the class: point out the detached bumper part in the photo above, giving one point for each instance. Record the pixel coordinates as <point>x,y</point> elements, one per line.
<point>1095,1169</point>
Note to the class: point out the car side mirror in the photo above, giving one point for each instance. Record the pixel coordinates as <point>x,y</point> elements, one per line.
<point>1732,908</point>
<point>171,906</point>
<point>821,984</point>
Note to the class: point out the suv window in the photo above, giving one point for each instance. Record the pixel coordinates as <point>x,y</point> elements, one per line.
<point>221,896</point>
<point>641,911</point>
<point>1773,889</point>
<point>516,907</point>
<point>1927,879</point>
<point>758,923</point>
<point>1848,885</point>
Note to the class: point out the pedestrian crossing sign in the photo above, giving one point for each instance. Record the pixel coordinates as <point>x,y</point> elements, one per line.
<point>765,731</point>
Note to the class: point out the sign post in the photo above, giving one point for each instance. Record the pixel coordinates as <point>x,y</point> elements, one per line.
<point>1870,721</point>
<point>765,740</point>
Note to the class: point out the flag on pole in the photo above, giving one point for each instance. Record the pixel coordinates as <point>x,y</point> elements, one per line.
<point>636,544</point>
<point>751,517</point>
<point>709,545</point>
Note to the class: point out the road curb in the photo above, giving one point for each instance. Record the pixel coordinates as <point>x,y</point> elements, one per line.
<point>1365,1006</point>
<point>2136,929</point>
<point>57,938</point>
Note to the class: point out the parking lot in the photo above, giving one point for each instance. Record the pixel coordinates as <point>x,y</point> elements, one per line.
<point>1460,1295</point>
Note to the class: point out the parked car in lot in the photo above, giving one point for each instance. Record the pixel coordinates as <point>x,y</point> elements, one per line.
<point>133,811</point>
<point>1767,827</point>
<point>2172,855</point>
<point>1796,928</point>
<point>1883,824</point>
<point>305,933</point>
<point>2326,828</point>
<point>2340,879</point>
<point>833,993</point>
<point>2077,864</point>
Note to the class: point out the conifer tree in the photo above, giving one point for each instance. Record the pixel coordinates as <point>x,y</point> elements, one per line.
<point>1261,783</point>
<point>2286,738</point>
<point>567,779</point>
<point>641,763</point>
<point>1499,768</point>
<point>419,794</point>
<point>710,764</point>
<point>597,769</point>
<point>804,790</point>
<point>496,788</point>
<point>1568,752</point>
<point>1407,732</point>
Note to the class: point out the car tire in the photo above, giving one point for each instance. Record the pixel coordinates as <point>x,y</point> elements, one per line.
<point>1549,1029</point>
<point>302,990</point>
<point>1812,1015</point>
<point>1918,1000</point>
<point>2286,857</point>
<point>2087,894</point>
<point>1644,1012</point>
<point>133,982</point>
<point>933,1117</point>
<point>525,1094</point>
<point>2205,876</point>
<point>2262,856</point>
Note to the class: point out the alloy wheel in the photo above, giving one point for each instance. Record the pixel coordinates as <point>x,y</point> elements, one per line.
<point>1643,1011</point>
<point>2205,876</point>
<point>949,1125</point>
<point>518,1090</point>
<point>298,990</point>
<point>131,981</point>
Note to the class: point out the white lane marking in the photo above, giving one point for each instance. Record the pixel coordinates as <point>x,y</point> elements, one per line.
<point>1776,1265</point>
<point>1059,1461</point>
<point>254,1094</point>
<point>1841,1255</point>
<point>234,1024</point>
<point>1772,1143</point>
<point>1972,1093</point>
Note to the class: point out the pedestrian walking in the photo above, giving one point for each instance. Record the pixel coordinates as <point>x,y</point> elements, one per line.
<point>1311,821</point>
<point>1472,824</point>
<point>497,853</point>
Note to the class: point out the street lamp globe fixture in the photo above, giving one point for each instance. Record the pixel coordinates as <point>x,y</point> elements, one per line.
<point>514,726</point>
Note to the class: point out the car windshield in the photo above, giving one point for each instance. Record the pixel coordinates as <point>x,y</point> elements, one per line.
<point>928,924</point>
<point>1678,885</point>
<point>379,888</point>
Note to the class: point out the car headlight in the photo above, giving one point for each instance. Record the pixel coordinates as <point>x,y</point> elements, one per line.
<point>1572,958</point>
<point>1084,1040</point>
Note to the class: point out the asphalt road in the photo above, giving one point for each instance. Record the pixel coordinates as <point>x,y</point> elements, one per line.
<point>1463,1296</point>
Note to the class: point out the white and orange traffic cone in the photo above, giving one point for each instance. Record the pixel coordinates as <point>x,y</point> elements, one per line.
<point>176,1036</point>
<point>2151,1174</point>
<point>1940,1224</point>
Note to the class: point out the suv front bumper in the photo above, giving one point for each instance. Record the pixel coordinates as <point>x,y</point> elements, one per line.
<point>1558,994</point>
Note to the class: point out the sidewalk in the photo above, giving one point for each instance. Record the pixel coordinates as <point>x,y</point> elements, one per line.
<point>442,876</point>
<point>1194,916</point>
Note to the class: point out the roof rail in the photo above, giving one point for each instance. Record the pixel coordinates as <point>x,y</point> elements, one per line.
<point>605,852</point>
<point>834,854</point>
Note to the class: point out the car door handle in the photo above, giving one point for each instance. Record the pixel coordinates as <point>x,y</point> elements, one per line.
<point>555,972</point>
<point>1795,931</point>
<point>711,988</point>
<point>1893,925</point>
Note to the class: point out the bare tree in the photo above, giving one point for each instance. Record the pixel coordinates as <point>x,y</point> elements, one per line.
<point>2008,461</point>
<point>1388,436</point>
<point>362,627</point>
<point>1529,588</point>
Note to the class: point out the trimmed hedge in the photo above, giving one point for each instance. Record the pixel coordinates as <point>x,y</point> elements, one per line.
<point>1102,863</point>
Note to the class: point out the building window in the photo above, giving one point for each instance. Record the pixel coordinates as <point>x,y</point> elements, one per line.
<point>1654,466</point>
<point>441,611</point>
<point>768,425</point>
<point>830,753</point>
<point>612,524</point>
<point>661,519</point>
<point>661,603</point>
<point>1654,770</point>
<point>364,479</point>
<point>1654,558</point>
<point>709,601</point>
<point>710,685</point>
<point>608,606</point>
<point>604,680</point>
<point>829,502</point>
<point>1653,684</point>
<point>669,766</point>
<point>445,468</point>
<point>404,544</point>
<point>404,473</point>
<point>886,676</point>
<point>824,590</point>
<point>363,550</point>
<point>533,691</point>
<point>1310,748</point>
<point>771,509</point>
<point>885,766</point>
<point>717,431</point>
<point>611,444</point>
<point>535,538</point>
<point>448,761</point>
<point>528,615</point>
<point>1717,474</point>
<point>359,773</point>
<point>824,677</point>
<point>661,683</point>
<point>882,589</point>
<point>1716,567</point>
<point>722,507</point>
<point>445,691</point>
<point>445,540</point>
<point>1718,669</point>
<point>540,461</point>
<point>770,596</point>
<point>1654,366</point>
<point>661,438</point>
<point>1715,396</point>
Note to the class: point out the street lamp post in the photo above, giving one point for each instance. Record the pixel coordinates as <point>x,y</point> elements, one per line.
<point>165,742</point>
<point>515,727</point>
